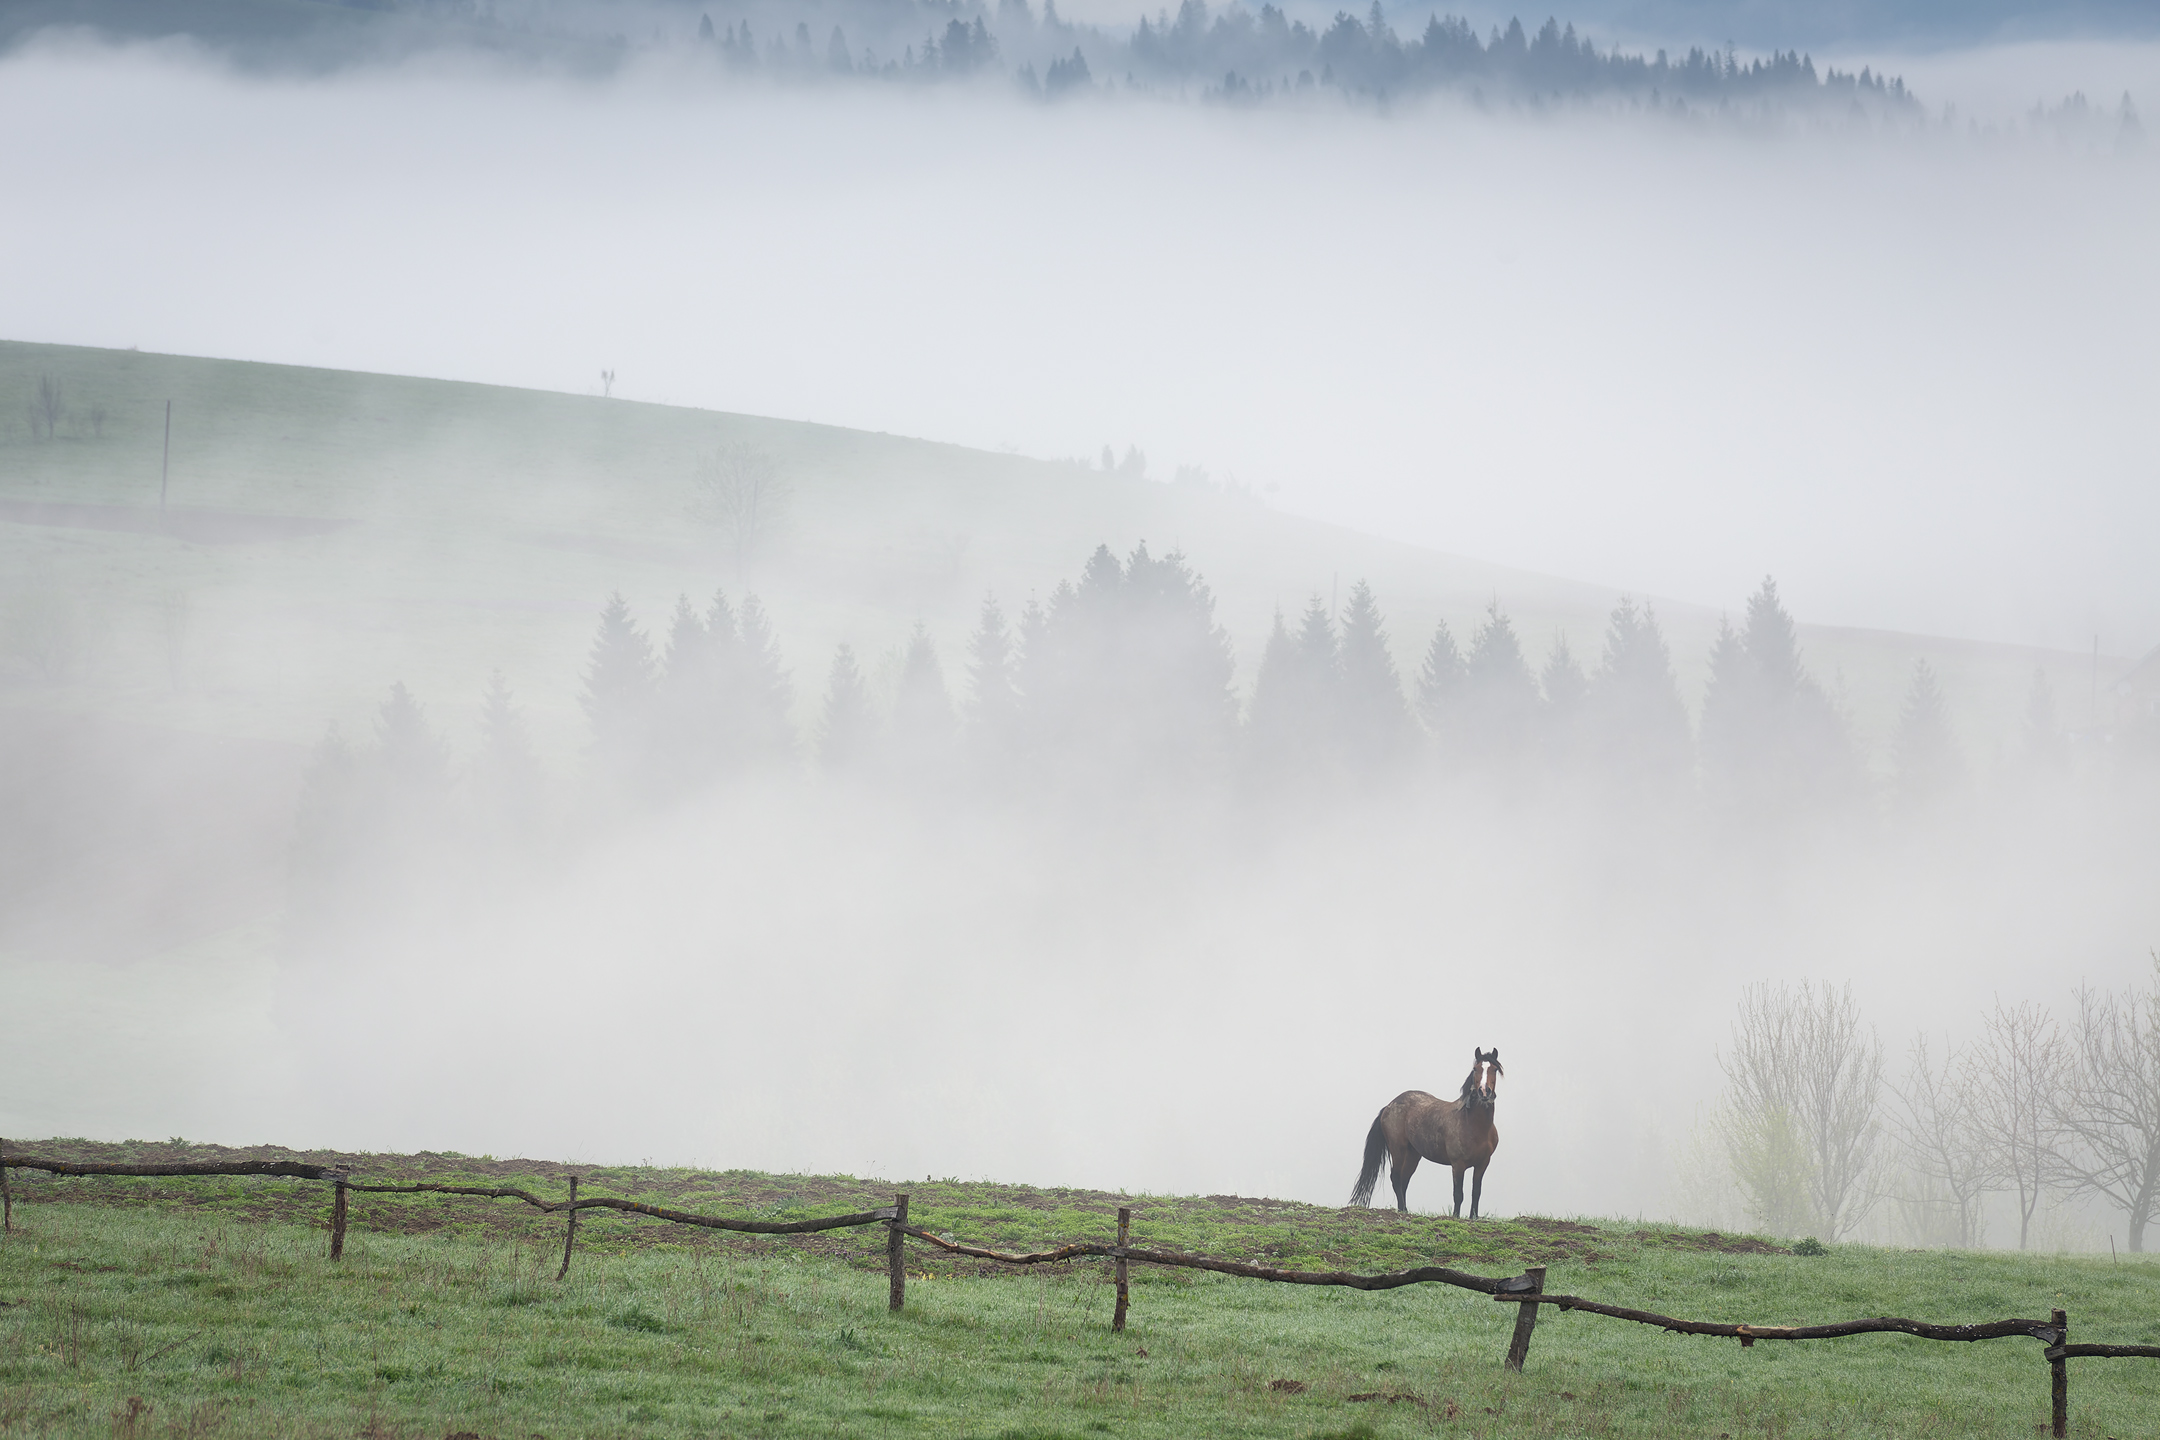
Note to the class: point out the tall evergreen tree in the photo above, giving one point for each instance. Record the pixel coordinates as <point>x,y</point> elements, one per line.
<point>1442,681</point>
<point>1771,739</point>
<point>1375,724</point>
<point>1126,675</point>
<point>768,694</point>
<point>618,694</point>
<point>412,761</point>
<point>923,724</point>
<point>686,745</point>
<point>1567,692</point>
<point>1500,695</point>
<point>993,690</point>
<point>1924,750</point>
<point>1637,716</point>
<point>506,774</point>
<point>847,734</point>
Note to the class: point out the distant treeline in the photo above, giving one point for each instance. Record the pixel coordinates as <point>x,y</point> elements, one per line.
<point>1237,55</point>
<point>1120,685</point>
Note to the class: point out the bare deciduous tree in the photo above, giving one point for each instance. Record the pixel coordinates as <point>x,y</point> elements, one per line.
<point>2107,1119</point>
<point>2015,1076</point>
<point>742,491</point>
<point>1806,1085</point>
<point>47,407</point>
<point>1938,1131</point>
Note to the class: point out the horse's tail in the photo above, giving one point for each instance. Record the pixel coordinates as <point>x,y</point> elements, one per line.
<point>1376,1154</point>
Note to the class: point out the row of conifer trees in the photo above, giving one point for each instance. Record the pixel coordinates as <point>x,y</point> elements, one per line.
<point>1126,675</point>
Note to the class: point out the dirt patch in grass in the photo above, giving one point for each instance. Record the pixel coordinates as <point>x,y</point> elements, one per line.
<point>1710,1240</point>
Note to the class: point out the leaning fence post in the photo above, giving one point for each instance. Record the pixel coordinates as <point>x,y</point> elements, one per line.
<point>1124,1235</point>
<point>337,1221</point>
<point>1518,1349</point>
<point>2059,1376</point>
<point>895,1260</point>
<point>569,1237</point>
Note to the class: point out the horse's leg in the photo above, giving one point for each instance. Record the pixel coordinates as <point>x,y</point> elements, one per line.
<point>1477,1188</point>
<point>1458,1196</point>
<point>1401,1166</point>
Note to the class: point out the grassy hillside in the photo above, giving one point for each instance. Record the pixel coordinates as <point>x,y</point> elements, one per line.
<point>433,531</point>
<point>142,1307</point>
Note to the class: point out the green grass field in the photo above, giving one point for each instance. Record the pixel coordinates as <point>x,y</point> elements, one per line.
<point>157,1307</point>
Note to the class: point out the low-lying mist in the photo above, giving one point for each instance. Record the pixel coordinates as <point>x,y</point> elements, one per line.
<point>1166,912</point>
<point>1075,910</point>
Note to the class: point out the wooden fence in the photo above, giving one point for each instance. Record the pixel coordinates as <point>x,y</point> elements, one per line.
<point>1525,1291</point>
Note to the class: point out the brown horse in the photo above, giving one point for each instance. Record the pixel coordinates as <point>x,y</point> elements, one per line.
<point>1416,1126</point>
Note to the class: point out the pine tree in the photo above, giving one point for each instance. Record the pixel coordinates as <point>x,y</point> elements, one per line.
<point>923,724</point>
<point>618,691</point>
<point>1772,741</point>
<point>1127,675</point>
<point>849,727</point>
<point>1375,724</point>
<point>1500,695</point>
<point>1637,717</point>
<point>768,695</point>
<point>1728,704</point>
<point>1566,691</point>
<point>1924,751</point>
<point>684,751</point>
<point>1271,715</point>
<point>1442,680</point>
<point>993,707</point>
<point>408,756</point>
<point>506,775</point>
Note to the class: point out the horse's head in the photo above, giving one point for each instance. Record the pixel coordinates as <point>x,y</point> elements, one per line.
<point>1482,1085</point>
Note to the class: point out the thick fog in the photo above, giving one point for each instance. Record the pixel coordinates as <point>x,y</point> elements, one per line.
<point>1903,369</point>
<point>1901,359</point>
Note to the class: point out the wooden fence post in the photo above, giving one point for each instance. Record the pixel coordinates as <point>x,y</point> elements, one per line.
<point>569,1236</point>
<point>1124,1237</point>
<point>2059,1377</point>
<point>895,1258</point>
<point>7,1196</point>
<point>1518,1349</point>
<point>337,1221</point>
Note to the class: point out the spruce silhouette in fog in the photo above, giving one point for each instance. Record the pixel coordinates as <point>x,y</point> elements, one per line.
<point>1772,741</point>
<point>1924,751</point>
<point>618,699</point>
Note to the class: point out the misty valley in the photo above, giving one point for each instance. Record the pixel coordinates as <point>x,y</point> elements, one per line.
<point>806,717</point>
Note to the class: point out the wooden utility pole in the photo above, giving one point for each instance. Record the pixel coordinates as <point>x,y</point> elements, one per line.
<point>165,468</point>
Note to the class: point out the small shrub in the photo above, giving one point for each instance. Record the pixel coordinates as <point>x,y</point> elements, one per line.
<point>1810,1246</point>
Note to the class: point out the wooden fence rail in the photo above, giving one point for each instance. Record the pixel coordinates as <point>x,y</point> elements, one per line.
<point>1526,1291</point>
